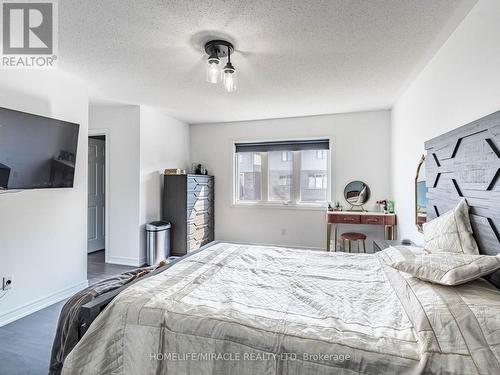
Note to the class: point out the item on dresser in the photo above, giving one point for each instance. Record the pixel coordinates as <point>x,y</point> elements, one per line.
<point>382,204</point>
<point>188,204</point>
<point>451,232</point>
<point>357,193</point>
<point>386,206</point>
<point>175,171</point>
<point>390,206</point>
<point>201,170</point>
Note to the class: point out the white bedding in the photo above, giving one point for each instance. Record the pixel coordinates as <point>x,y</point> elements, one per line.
<point>240,309</point>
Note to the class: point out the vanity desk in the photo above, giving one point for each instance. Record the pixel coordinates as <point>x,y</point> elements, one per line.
<point>358,217</point>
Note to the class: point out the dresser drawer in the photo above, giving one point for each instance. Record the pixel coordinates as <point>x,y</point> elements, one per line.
<point>200,218</point>
<point>200,190</point>
<point>196,244</point>
<point>372,219</point>
<point>201,205</point>
<point>349,219</point>
<point>200,233</point>
<point>194,199</point>
<point>198,182</point>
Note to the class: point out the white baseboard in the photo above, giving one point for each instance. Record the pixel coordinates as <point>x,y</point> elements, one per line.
<point>41,303</point>
<point>125,261</point>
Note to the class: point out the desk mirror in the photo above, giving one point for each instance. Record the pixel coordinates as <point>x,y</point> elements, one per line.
<point>420,195</point>
<point>357,193</point>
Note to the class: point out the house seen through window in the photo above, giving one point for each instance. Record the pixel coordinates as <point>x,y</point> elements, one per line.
<point>269,173</point>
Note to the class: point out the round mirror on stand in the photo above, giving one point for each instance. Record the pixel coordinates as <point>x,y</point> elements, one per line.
<point>420,195</point>
<point>357,193</point>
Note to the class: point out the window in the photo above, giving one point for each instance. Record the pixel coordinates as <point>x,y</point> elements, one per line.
<point>280,176</point>
<point>249,176</point>
<point>266,173</point>
<point>321,154</point>
<point>314,176</point>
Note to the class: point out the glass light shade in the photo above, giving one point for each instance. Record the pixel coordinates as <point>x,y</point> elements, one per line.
<point>229,81</point>
<point>213,70</point>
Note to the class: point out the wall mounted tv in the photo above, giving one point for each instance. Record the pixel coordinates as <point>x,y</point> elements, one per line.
<point>36,152</point>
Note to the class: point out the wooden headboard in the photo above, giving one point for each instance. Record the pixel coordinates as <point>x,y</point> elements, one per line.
<point>465,163</point>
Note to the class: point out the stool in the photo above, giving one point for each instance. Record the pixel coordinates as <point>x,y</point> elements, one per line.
<point>352,236</point>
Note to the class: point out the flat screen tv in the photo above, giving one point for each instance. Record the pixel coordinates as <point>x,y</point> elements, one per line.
<point>36,152</point>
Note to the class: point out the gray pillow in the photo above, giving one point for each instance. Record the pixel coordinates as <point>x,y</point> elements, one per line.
<point>451,232</point>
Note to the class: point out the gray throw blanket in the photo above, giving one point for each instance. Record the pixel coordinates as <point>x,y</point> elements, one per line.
<point>70,319</point>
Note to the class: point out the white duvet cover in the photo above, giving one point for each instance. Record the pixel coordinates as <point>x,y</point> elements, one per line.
<point>240,309</point>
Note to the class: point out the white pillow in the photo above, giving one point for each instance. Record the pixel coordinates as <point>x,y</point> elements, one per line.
<point>451,232</point>
<point>448,269</point>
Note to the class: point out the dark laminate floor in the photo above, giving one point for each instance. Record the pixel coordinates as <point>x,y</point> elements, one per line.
<point>25,344</point>
<point>98,270</point>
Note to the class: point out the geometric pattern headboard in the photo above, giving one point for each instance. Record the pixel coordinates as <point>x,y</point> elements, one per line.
<point>465,163</point>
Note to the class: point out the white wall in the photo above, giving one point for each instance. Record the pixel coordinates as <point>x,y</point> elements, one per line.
<point>143,141</point>
<point>361,148</point>
<point>460,84</point>
<point>43,233</point>
<point>164,144</point>
<point>121,125</point>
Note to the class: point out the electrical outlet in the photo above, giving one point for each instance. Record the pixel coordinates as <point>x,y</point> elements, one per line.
<point>6,282</point>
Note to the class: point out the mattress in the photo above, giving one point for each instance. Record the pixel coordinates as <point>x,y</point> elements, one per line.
<point>241,309</point>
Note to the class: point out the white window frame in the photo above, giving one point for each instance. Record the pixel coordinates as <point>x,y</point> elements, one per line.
<point>295,203</point>
<point>284,155</point>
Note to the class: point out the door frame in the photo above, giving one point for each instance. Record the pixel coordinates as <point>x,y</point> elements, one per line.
<point>106,133</point>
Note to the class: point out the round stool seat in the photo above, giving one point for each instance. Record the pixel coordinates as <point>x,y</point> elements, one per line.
<point>352,236</point>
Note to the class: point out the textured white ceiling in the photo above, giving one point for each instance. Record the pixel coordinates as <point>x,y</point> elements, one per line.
<point>293,58</point>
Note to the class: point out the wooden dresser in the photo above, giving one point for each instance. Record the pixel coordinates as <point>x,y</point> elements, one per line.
<point>357,217</point>
<point>188,204</point>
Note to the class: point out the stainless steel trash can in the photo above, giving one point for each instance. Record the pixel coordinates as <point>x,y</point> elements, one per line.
<point>158,241</point>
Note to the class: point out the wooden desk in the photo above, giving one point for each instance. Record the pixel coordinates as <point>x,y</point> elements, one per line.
<point>355,217</point>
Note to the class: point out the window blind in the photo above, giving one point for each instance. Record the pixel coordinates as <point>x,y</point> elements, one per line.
<point>310,144</point>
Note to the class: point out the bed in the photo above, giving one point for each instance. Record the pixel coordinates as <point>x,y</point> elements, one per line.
<point>243,309</point>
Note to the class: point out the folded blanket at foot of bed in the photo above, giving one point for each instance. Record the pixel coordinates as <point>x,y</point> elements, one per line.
<point>70,319</point>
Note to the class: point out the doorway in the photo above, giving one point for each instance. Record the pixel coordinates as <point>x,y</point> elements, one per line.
<point>96,206</point>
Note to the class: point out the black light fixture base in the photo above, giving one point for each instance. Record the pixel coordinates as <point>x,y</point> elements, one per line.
<point>219,48</point>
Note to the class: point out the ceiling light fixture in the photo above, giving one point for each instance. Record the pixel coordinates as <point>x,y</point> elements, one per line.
<point>217,49</point>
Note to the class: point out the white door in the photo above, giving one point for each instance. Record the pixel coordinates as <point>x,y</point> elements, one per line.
<point>96,209</point>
